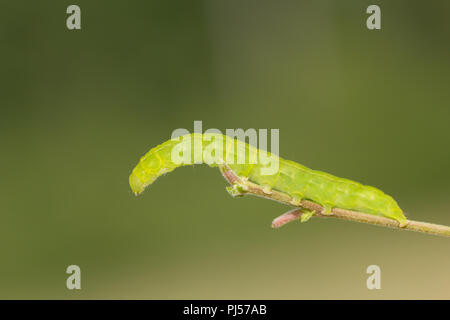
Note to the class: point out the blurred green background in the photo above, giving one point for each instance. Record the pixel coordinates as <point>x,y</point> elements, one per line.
<point>78,109</point>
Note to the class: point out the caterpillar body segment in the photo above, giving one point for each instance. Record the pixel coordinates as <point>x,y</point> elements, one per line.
<point>291,178</point>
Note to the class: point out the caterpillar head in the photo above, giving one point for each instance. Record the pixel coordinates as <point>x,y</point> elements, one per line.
<point>136,184</point>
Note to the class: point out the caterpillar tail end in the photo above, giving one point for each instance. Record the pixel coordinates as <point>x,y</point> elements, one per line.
<point>401,219</point>
<point>402,223</point>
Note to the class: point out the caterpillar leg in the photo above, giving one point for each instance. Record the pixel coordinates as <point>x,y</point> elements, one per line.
<point>236,190</point>
<point>307,214</point>
<point>326,210</point>
<point>296,199</point>
<point>267,189</point>
<point>238,187</point>
<point>232,191</point>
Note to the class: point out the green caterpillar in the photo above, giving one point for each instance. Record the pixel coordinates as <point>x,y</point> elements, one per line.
<point>291,178</point>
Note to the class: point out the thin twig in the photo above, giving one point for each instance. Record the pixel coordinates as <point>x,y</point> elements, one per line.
<point>247,187</point>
